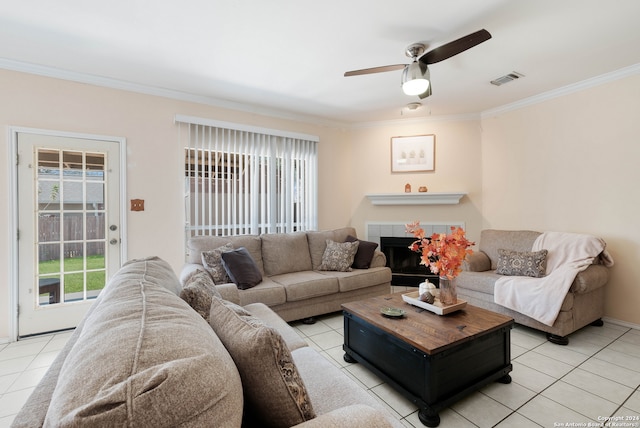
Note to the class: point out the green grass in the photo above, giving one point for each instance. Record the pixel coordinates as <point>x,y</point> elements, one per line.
<point>74,282</point>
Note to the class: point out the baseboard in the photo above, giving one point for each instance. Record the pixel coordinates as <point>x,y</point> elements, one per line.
<point>5,340</point>
<point>621,323</point>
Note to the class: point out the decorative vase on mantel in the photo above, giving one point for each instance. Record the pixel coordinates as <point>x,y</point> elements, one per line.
<point>448,292</point>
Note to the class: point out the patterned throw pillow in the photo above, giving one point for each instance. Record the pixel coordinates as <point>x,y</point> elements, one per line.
<point>198,291</point>
<point>526,263</point>
<point>339,256</point>
<point>275,395</point>
<point>212,262</point>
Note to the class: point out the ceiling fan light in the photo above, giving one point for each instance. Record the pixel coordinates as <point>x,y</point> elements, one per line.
<point>415,78</point>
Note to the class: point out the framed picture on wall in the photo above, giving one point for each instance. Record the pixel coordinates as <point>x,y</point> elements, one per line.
<point>413,154</point>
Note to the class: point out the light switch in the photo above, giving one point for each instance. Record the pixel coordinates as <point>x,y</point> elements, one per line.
<point>137,204</point>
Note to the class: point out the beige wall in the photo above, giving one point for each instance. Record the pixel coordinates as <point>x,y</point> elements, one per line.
<point>457,169</point>
<point>571,164</point>
<point>155,169</point>
<point>567,164</point>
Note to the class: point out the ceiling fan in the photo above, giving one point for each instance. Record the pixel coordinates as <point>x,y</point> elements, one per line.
<point>415,76</point>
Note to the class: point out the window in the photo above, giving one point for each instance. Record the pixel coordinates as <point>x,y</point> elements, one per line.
<point>244,180</point>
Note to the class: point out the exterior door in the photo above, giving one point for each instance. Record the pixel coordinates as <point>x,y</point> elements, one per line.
<point>68,227</point>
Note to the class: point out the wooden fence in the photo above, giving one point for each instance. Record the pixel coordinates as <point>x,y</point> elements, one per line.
<point>73,237</point>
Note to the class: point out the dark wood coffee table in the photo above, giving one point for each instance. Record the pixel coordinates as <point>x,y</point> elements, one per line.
<point>433,360</point>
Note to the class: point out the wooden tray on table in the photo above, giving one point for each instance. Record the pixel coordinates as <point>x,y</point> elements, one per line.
<point>436,307</point>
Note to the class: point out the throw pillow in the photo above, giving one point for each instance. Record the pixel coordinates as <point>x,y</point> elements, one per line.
<point>364,255</point>
<point>212,262</point>
<point>241,268</point>
<point>198,291</point>
<point>275,394</point>
<point>338,256</point>
<point>522,263</point>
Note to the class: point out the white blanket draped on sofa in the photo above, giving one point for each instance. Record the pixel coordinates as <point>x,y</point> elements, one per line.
<point>541,298</point>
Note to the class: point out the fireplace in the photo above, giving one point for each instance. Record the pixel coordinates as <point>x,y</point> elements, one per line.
<point>405,266</point>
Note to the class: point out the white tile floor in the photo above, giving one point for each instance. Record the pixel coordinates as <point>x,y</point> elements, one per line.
<point>595,377</point>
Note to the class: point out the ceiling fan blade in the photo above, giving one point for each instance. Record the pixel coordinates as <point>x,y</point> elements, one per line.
<point>375,70</point>
<point>454,48</point>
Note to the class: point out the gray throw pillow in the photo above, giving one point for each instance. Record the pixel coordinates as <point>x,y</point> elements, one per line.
<point>241,268</point>
<point>338,256</point>
<point>364,255</point>
<point>522,263</point>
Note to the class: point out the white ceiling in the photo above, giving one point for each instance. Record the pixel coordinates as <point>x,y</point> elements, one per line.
<point>289,56</point>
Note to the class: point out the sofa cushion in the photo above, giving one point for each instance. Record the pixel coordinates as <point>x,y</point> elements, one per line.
<point>268,292</point>
<point>285,252</point>
<point>318,242</point>
<point>364,255</point>
<point>241,268</point>
<point>361,278</point>
<point>197,244</point>
<point>339,256</point>
<point>212,262</point>
<point>522,263</point>
<point>198,291</point>
<point>144,358</point>
<point>275,394</point>
<point>270,318</point>
<point>518,240</point>
<point>331,389</point>
<point>476,262</point>
<point>307,284</point>
<point>482,282</point>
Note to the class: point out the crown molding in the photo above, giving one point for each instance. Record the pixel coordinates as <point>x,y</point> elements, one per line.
<point>565,90</point>
<point>415,120</point>
<point>123,85</point>
<point>281,114</point>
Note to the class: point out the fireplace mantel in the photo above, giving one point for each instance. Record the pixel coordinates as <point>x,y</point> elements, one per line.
<point>426,198</point>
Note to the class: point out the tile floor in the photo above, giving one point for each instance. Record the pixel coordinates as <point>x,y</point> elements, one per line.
<point>594,378</point>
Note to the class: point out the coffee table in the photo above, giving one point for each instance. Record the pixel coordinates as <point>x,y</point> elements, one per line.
<point>433,360</point>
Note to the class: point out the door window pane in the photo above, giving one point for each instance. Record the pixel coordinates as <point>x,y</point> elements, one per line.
<point>95,255</point>
<point>73,286</point>
<point>96,226</point>
<point>72,232</point>
<point>73,226</point>
<point>73,257</point>
<point>49,290</point>
<point>49,227</point>
<point>49,256</point>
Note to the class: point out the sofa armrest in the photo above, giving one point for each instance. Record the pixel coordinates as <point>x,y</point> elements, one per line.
<point>592,278</point>
<point>229,292</point>
<point>477,262</point>
<point>189,269</point>
<point>357,415</point>
<point>379,259</point>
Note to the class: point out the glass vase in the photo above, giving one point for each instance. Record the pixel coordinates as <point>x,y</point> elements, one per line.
<point>448,292</point>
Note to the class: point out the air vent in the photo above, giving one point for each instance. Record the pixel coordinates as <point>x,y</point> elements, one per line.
<point>507,78</point>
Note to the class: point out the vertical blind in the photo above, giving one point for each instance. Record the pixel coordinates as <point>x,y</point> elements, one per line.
<point>246,180</point>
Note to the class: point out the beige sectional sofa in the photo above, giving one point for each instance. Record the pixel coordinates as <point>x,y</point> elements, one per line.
<point>144,357</point>
<point>582,305</point>
<point>292,283</point>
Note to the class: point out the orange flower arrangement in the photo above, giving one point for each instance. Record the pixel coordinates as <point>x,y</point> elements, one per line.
<point>442,253</point>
